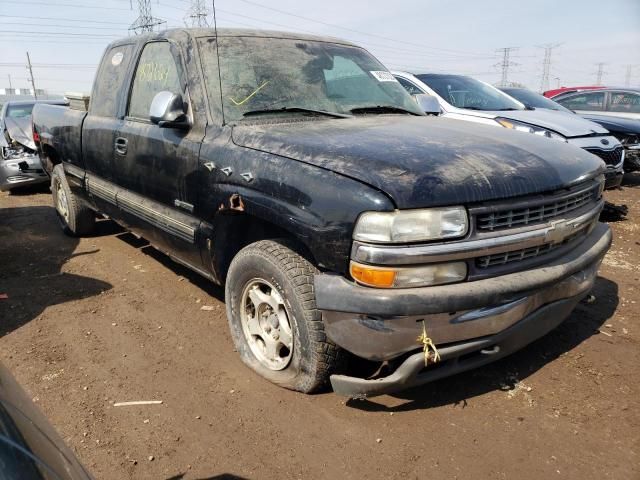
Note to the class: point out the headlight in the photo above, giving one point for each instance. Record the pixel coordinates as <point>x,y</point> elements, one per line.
<point>404,226</point>
<point>524,127</point>
<point>407,277</point>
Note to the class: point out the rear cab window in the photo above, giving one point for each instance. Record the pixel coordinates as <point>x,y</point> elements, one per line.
<point>110,80</point>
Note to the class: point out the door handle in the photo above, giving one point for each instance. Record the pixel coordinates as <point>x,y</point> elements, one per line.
<point>121,145</point>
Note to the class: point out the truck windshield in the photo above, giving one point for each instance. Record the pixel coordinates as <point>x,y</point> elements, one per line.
<point>467,92</point>
<point>273,75</point>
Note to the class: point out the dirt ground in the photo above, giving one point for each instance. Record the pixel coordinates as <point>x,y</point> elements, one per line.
<point>99,320</point>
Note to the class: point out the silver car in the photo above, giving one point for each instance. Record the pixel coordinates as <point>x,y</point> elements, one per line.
<point>19,161</point>
<point>465,98</point>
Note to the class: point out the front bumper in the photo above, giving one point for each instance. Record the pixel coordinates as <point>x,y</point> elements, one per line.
<point>464,320</point>
<point>21,171</point>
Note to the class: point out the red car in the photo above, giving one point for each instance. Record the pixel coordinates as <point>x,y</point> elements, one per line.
<point>557,91</point>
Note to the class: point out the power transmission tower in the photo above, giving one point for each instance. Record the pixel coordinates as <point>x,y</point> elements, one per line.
<point>33,83</point>
<point>198,14</point>
<point>145,21</point>
<point>629,75</point>
<point>546,65</point>
<point>600,73</point>
<point>505,64</point>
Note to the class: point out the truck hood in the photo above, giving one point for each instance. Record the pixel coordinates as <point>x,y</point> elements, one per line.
<point>565,123</point>
<point>19,130</point>
<point>426,161</point>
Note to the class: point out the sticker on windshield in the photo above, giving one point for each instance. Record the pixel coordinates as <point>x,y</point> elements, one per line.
<point>383,76</point>
<point>117,59</point>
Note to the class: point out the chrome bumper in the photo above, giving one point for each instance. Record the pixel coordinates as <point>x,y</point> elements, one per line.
<point>384,338</point>
<point>381,324</point>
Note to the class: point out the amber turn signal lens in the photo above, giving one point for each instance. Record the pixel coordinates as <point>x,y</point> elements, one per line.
<point>371,276</point>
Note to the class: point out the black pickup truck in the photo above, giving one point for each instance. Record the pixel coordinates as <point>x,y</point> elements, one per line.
<point>341,219</point>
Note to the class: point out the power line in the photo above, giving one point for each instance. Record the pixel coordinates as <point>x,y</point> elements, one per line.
<point>58,19</point>
<point>92,27</point>
<point>49,4</point>
<point>360,32</point>
<point>146,21</point>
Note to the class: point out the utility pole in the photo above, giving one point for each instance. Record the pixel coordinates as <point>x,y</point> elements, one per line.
<point>600,73</point>
<point>546,65</point>
<point>197,16</point>
<point>10,87</point>
<point>145,21</point>
<point>557,79</point>
<point>33,83</point>
<point>506,63</point>
<point>627,77</point>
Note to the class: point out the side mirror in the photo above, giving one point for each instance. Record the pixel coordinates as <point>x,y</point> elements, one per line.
<point>167,110</point>
<point>428,104</point>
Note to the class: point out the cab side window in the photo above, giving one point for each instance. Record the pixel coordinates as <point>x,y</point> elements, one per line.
<point>593,101</point>
<point>625,102</point>
<point>409,87</point>
<point>156,71</point>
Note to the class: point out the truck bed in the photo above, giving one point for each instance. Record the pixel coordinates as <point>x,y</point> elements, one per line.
<point>59,129</point>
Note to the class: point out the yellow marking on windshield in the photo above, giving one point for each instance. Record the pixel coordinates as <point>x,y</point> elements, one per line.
<point>237,103</point>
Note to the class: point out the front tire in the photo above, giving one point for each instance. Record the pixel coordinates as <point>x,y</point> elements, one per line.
<point>76,218</point>
<point>273,319</point>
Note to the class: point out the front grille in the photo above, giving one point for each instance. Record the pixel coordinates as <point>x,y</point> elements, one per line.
<point>538,212</point>
<point>498,259</point>
<point>610,157</point>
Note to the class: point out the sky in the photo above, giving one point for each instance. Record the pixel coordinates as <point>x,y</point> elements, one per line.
<point>66,38</point>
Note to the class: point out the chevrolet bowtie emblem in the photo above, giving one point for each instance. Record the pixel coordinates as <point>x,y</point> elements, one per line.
<point>558,231</point>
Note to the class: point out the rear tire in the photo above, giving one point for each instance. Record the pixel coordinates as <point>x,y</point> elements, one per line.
<point>273,319</point>
<point>76,218</point>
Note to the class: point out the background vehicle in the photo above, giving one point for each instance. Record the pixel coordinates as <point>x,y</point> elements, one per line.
<point>19,162</point>
<point>625,130</point>
<point>558,91</point>
<point>298,172</point>
<point>29,446</point>
<point>465,98</point>
<point>617,102</point>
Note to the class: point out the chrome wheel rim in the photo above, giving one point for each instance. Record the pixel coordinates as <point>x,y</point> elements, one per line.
<point>266,325</point>
<point>62,204</point>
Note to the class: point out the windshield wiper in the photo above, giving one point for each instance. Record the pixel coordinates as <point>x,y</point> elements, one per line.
<point>510,109</point>
<point>295,109</point>
<point>382,109</point>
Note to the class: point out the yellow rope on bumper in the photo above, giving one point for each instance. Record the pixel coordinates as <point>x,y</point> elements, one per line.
<point>430,351</point>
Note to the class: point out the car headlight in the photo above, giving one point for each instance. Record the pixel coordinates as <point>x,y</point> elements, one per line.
<point>524,127</point>
<point>403,226</point>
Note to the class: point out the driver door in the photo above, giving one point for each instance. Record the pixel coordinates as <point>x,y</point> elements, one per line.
<point>157,168</point>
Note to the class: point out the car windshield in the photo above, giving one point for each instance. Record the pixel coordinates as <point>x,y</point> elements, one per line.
<point>299,77</point>
<point>466,92</point>
<point>19,111</point>
<point>534,100</point>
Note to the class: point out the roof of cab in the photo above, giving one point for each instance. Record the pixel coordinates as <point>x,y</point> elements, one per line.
<point>228,32</point>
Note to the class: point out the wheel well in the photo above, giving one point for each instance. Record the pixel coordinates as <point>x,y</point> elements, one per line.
<point>50,158</point>
<point>234,231</point>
